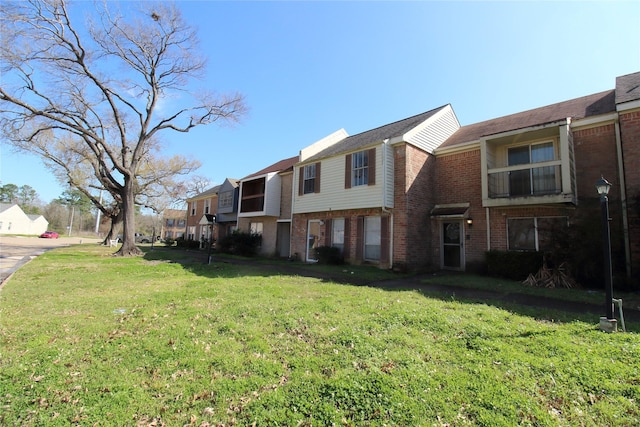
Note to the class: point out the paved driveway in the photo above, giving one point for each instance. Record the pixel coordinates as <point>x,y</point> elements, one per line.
<point>16,251</point>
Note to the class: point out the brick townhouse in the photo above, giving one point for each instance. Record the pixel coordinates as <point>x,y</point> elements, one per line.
<point>503,182</point>
<point>425,192</point>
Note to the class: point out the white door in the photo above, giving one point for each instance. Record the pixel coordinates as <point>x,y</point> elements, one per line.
<point>313,239</point>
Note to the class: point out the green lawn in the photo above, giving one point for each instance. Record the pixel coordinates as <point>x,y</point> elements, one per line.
<point>90,339</point>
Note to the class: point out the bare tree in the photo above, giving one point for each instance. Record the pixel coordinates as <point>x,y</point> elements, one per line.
<point>103,85</point>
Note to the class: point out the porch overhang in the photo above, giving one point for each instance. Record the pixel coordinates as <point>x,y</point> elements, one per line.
<point>450,211</point>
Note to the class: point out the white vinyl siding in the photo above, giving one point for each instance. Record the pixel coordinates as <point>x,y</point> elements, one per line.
<point>334,195</point>
<point>435,131</point>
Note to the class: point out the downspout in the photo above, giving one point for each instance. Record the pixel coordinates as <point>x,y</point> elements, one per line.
<point>488,219</point>
<point>623,200</point>
<point>385,144</point>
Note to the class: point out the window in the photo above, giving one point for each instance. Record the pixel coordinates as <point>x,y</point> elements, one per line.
<point>337,234</point>
<point>533,234</point>
<point>207,206</point>
<point>170,222</point>
<point>168,234</point>
<point>226,199</point>
<point>181,223</point>
<point>191,233</point>
<point>535,180</point>
<point>255,228</point>
<point>0,225</point>
<point>372,240</point>
<point>360,168</point>
<point>193,208</point>
<point>309,179</point>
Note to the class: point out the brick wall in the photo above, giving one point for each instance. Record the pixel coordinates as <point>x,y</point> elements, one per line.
<point>595,156</point>
<point>299,231</point>
<point>286,197</point>
<point>414,195</point>
<point>630,139</point>
<point>459,181</point>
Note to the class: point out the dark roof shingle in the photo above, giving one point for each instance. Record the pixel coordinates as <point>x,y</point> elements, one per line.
<point>628,88</point>
<point>280,166</point>
<point>586,106</point>
<point>376,135</point>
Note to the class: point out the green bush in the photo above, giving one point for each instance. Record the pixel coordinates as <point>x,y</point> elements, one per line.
<point>183,243</point>
<point>169,241</point>
<point>512,264</point>
<point>240,243</point>
<point>328,255</point>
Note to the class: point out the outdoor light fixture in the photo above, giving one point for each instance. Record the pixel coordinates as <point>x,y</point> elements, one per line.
<point>606,323</point>
<point>470,222</point>
<point>603,186</point>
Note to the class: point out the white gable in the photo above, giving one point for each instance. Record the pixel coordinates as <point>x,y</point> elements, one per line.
<point>323,143</point>
<point>433,131</point>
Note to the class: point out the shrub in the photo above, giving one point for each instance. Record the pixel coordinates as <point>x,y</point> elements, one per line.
<point>169,241</point>
<point>328,255</point>
<point>183,243</point>
<point>513,265</point>
<point>240,243</point>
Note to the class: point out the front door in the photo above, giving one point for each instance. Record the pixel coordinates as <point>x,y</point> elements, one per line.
<point>452,250</point>
<point>313,239</point>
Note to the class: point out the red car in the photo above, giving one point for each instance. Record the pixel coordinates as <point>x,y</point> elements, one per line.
<point>49,235</point>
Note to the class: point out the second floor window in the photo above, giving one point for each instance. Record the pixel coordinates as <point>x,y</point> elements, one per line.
<point>309,179</point>
<point>226,199</point>
<point>193,208</point>
<point>360,168</point>
<point>532,180</point>
<point>207,206</point>
<point>170,222</point>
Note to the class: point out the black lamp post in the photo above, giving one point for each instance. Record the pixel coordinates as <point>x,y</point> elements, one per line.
<point>212,223</point>
<point>603,186</point>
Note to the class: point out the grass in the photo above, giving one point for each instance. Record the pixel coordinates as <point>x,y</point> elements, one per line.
<point>90,339</point>
<point>504,286</point>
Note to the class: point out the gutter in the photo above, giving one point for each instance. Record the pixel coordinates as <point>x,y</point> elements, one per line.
<point>623,200</point>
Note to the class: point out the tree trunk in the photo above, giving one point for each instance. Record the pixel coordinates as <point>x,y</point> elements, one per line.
<point>116,221</point>
<point>128,247</point>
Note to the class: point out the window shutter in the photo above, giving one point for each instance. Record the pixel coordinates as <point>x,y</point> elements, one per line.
<point>328,230</point>
<point>384,239</point>
<point>347,171</point>
<point>347,237</point>
<point>372,167</point>
<point>301,181</point>
<point>316,188</point>
<point>359,238</point>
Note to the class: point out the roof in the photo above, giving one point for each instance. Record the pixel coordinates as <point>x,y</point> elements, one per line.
<point>174,213</point>
<point>377,135</point>
<point>281,166</point>
<point>628,88</point>
<point>207,193</point>
<point>233,182</point>
<point>5,206</point>
<point>578,108</point>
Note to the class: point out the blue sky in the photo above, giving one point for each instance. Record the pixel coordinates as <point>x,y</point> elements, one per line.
<point>310,68</point>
